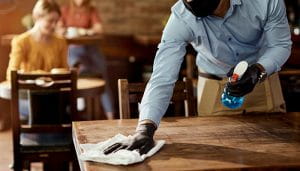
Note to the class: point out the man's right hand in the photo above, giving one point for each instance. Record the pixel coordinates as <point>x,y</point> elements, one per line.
<point>142,140</point>
<point>247,83</point>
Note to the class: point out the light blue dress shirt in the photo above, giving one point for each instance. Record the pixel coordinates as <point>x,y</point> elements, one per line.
<point>252,30</point>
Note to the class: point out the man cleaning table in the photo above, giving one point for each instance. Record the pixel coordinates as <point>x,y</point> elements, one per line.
<point>223,32</point>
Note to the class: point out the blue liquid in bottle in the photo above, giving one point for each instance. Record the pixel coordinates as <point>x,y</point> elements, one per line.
<point>227,100</point>
<point>231,102</point>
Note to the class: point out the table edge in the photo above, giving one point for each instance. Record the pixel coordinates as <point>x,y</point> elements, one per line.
<point>76,146</point>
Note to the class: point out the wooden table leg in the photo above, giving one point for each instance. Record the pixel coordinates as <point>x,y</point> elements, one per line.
<point>89,108</point>
<point>98,109</point>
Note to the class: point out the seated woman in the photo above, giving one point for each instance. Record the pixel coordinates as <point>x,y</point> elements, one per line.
<point>27,20</point>
<point>80,18</point>
<point>39,49</point>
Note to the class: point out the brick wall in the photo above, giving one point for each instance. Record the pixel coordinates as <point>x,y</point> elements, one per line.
<point>133,16</point>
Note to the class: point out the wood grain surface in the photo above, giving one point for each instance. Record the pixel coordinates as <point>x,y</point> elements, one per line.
<point>244,142</point>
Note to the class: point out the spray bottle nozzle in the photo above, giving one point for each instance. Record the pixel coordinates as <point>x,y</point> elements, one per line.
<point>234,78</point>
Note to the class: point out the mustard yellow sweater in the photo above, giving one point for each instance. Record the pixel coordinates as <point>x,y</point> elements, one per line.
<point>29,55</point>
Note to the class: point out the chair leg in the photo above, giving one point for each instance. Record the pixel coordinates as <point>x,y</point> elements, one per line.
<point>75,163</point>
<point>46,166</point>
<point>16,165</point>
<point>75,166</point>
<point>19,166</point>
<point>26,165</point>
<point>89,108</point>
<point>57,166</point>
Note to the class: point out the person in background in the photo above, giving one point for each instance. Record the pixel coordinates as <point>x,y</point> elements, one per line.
<point>223,32</point>
<point>39,49</point>
<point>27,20</point>
<point>80,18</point>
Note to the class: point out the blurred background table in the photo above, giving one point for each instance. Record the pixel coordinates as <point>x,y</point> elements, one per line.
<point>128,56</point>
<point>85,40</point>
<point>147,40</point>
<point>88,88</point>
<point>244,142</point>
<point>6,39</point>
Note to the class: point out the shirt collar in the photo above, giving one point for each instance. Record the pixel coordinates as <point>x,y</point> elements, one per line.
<point>236,2</point>
<point>232,4</point>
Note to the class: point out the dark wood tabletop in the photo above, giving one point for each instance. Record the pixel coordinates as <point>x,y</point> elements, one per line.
<point>251,142</point>
<point>6,39</point>
<point>85,40</point>
<point>147,40</point>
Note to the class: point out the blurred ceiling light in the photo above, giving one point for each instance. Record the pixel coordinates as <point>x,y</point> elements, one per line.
<point>296,31</point>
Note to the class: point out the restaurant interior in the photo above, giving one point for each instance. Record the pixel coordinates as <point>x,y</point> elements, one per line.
<point>99,95</point>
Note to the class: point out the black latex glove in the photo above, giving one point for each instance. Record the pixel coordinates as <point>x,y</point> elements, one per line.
<point>246,84</point>
<point>142,140</point>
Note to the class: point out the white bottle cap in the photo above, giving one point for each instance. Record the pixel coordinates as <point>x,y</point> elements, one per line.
<point>239,71</point>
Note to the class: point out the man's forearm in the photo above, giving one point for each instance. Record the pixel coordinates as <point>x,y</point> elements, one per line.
<point>273,59</point>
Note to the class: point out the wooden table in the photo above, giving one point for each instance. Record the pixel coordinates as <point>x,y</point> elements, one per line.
<point>85,40</point>
<point>147,40</point>
<point>289,72</point>
<point>88,88</point>
<point>251,142</point>
<point>6,39</point>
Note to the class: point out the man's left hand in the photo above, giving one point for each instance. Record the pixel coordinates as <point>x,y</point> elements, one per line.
<point>247,83</point>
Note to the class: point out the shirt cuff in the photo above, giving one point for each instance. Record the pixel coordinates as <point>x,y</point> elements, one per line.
<point>270,69</point>
<point>150,116</point>
<point>147,121</point>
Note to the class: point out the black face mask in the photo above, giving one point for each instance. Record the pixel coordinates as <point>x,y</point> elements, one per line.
<point>201,8</point>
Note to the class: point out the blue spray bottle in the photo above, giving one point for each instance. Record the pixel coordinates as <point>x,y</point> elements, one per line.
<point>227,100</point>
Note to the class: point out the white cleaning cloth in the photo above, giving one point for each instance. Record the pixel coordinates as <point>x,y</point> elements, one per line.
<point>94,152</point>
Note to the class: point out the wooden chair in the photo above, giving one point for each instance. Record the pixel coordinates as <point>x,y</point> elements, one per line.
<point>133,93</point>
<point>52,152</point>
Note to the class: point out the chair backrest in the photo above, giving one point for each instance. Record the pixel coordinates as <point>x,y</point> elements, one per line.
<point>133,93</point>
<point>65,82</point>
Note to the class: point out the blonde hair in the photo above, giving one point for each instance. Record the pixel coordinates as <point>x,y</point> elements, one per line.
<point>86,3</point>
<point>44,7</point>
